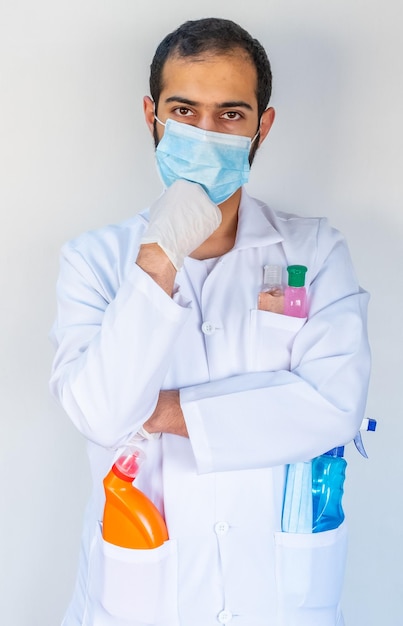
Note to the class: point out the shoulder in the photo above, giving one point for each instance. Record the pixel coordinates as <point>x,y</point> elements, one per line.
<point>112,240</point>
<point>103,258</point>
<point>306,240</point>
<point>294,226</point>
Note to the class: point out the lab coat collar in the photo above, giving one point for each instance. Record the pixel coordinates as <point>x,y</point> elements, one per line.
<point>255,224</point>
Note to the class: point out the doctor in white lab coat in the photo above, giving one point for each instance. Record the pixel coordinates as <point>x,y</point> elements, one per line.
<point>158,337</point>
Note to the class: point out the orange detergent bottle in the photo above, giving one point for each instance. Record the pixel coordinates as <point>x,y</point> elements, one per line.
<point>130,520</point>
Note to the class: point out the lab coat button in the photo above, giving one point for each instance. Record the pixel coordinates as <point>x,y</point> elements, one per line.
<point>208,328</point>
<point>224,617</point>
<point>221,528</point>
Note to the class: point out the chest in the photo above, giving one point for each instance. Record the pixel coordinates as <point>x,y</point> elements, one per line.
<point>225,334</point>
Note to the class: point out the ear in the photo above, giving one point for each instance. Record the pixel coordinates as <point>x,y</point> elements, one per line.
<point>266,122</point>
<point>148,108</point>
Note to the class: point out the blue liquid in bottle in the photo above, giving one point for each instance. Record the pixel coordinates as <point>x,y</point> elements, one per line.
<point>328,474</point>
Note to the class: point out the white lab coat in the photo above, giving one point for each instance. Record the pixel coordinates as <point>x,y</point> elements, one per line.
<point>258,390</point>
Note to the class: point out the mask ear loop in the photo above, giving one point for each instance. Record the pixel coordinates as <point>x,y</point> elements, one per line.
<point>159,121</point>
<point>255,136</point>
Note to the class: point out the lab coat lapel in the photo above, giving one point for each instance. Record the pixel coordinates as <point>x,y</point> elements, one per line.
<point>255,227</point>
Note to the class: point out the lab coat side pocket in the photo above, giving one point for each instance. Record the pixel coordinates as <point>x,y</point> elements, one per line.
<point>271,338</point>
<point>309,572</point>
<point>139,586</point>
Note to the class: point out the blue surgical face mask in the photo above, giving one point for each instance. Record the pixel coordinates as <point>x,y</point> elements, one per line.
<point>217,161</point>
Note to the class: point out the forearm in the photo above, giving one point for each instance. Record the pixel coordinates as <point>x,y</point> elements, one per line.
<point>262,419</point>
<point>111,360</point>
<point>153,260</point>
<point>167,416</point>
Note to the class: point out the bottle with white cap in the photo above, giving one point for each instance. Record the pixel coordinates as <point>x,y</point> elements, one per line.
<point>271,295</point>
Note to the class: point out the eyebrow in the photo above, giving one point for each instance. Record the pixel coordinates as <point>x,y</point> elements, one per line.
<point>221,105</point>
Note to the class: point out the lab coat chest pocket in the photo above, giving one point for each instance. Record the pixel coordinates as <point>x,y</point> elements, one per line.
<point>138,586</point>
<point>271,339</point>
<point>309,574</point>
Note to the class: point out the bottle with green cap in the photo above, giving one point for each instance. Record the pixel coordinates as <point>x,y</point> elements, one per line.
<point>295,303</point>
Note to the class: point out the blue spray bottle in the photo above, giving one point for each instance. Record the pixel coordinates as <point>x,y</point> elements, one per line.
<point>328,474</point>
<point>314,490</point>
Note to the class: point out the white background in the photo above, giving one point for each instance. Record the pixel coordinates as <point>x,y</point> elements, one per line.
<point>75,154</point>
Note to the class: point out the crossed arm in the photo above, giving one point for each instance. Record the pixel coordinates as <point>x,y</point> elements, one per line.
<point>167,416</point>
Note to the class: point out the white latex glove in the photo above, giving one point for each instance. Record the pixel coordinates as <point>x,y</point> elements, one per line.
<point>142,434</point>
<point>181,220</point>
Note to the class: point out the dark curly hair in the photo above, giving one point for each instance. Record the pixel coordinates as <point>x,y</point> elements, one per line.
<point>212,35</point>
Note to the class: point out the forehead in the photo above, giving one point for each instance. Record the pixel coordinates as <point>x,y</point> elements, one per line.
<point>211,77</point>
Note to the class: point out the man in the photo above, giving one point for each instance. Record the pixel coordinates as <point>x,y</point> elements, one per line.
<point>159,339</point>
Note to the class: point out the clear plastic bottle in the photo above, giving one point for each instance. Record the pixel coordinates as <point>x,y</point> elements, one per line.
<point>130,519</point>
<point>271,295</point>
<point>328,474</point>
<point>295,303</point>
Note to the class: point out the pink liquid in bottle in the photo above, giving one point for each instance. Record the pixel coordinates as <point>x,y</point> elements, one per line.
<point>295,301</point>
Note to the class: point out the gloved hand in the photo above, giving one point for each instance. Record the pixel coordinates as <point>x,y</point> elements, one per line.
<point>181,220</point>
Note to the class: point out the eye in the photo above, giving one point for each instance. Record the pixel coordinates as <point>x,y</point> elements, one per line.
<point>183,112</point>
<point>231,115</point>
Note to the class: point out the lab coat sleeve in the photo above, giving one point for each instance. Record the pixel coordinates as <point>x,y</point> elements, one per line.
<point>113,338</point>
<point>263,419</point>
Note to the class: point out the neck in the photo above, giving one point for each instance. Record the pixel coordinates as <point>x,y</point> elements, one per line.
<point>223,239</point>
